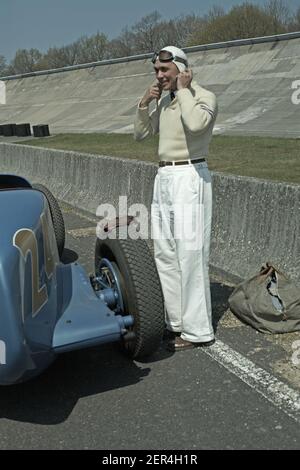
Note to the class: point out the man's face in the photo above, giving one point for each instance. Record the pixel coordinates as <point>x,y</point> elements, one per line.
<point>166,74</point>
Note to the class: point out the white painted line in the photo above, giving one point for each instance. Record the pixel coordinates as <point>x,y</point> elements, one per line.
<point>275,391</point>
<point>127,76</point>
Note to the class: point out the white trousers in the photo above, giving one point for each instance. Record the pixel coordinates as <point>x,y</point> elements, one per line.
<point>181,214</point>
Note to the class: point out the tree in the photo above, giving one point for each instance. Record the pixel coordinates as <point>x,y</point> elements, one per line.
<point>123,46</point>
<point>146,33</point>
<point>294,24</point>
<point>248,21</point>
<point>57,57</point>
<point>214,13</point>
<point>2,65</point>
<point>165,34</point>
<point>150,34</point>
<point>243,21</point>
<point>92,49</point>
<point>26,61</point>
<point>178,31</point>
<point>279,15</point>
<point>297,17</point>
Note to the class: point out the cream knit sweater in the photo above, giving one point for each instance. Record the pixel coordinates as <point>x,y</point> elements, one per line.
<point>185,124</point>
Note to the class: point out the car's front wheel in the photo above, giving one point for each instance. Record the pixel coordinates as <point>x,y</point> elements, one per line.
<point>141,291</point>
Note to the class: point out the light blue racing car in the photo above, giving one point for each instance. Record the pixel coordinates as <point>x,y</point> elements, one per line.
<point>48,307</point>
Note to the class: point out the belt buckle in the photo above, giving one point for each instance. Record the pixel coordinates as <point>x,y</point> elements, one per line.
<point>182,162</point>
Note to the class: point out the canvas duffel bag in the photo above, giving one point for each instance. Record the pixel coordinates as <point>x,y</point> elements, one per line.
<point>269,301</point>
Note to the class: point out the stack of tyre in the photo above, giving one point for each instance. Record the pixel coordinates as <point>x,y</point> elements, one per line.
<point>24,130</point>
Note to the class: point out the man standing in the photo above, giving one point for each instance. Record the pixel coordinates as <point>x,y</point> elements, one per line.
<point>182,199</point>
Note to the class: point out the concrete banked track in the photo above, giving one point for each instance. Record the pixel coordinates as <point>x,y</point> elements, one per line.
<point>252,79</point>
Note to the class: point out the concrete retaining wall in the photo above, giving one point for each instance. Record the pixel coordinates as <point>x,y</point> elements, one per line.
<point>253,220</point>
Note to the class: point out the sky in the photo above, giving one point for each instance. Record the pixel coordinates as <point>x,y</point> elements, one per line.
<point>41,24</point>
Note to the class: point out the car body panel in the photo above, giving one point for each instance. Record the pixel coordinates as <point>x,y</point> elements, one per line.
<point>46,307</point>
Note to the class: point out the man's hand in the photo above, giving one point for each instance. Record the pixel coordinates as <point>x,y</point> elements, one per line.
<point>153,93</point>
<point>184,79</point>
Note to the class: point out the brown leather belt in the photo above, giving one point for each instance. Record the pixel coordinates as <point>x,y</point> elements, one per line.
<point>182,162</point>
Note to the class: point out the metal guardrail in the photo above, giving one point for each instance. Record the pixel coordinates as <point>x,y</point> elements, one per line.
<point>204,47</point>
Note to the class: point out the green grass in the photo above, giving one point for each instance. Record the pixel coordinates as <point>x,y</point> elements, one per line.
<point>261,157</point>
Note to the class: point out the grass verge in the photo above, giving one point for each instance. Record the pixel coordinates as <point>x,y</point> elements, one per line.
<point>262,157</point>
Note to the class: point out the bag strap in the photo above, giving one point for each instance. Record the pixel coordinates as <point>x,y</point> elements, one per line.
<point>271,265</point>
<point>264,273</point>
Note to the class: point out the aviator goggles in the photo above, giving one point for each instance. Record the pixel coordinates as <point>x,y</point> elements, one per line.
<point>166,56</point>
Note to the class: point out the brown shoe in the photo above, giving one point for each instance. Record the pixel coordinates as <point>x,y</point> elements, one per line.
<point>181,344</point>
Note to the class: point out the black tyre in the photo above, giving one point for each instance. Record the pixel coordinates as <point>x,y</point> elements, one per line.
<point>141,291</point>
<point>56,215</point>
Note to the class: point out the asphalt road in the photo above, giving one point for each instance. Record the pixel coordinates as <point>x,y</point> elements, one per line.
<point>242,393</point>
